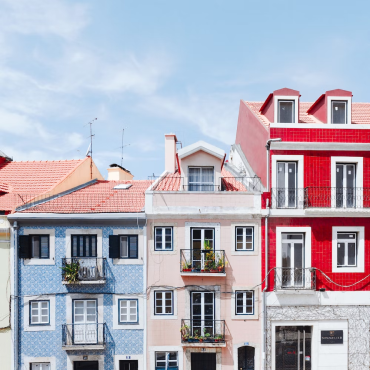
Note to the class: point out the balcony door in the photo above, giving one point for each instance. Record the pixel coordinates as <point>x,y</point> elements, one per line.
<point>345,185</point>
<point>202,313</point>
<point>85,328</point>
<point>293,252</point>
<point>201,240</point>
<point>286,191</point>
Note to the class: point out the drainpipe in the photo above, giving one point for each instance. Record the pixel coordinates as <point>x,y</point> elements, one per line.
<point>14,293</point>
<point>268,142</point>
<point>145,297</point>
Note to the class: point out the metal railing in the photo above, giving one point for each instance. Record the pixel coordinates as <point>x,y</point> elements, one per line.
<point>250,184</point>
<point>293,198</point>
<point>83,334</point>
<point>199,331</point>
<point>201,187</point>
<point>295,278</point>
<point>202,261</point>
<point>78,269</point>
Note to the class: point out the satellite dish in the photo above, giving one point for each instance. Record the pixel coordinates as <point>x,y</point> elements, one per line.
<point>88,150</point>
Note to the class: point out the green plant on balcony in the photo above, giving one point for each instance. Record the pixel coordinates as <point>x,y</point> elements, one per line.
<point>71,272</point>
<point>185,332</point>
<point>186,266</point>
<point>210,257</point>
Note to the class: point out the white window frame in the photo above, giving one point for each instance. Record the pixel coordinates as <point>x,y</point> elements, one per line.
<point>329,101</point>
<point>359,162</point>
<point>99,240</point>
<point>27,361</point>
<point>129,326</point>
<point>276,107</point>
<point>163,243</point>
<point>128,304</point>
<point>202,225</point>
<point>27,318</point>
<point>300,179</point>
<point>39,309</point>
<point>360,230</point>
<point>75,297</point>
<point>164,302</point>
<point>140,256</point>
<point>255,314</point>
<point>245,305</point>
<point>172,316</point>
<point>151,238</point>
<point>166,352</point>
<point>42,261</point>
<point>244,249</point>
<point>201,183</point>
<point>40,367</point>
<point>244,252</point>
<point>345,242</point>
<point>154,349</point>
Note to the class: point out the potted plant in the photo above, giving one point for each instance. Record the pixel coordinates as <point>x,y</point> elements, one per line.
<point>186,266</point>
<point>220,265</point>
<point>207,336</point>
<point>71,272</point>
<point>219,338</point>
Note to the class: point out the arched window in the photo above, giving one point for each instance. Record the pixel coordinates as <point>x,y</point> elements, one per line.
<point>246,358</point>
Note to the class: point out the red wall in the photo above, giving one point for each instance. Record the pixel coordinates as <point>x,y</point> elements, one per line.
<point>251,135</point>
<point>321,250</point>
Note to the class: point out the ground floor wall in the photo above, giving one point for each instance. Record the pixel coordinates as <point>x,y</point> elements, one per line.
<point>354,321</point>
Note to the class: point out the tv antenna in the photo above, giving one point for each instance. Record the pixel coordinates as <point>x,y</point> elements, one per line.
<point>122,146</point>
<point>90,148</point>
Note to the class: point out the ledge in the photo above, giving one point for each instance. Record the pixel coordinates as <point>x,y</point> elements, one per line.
<point>84,347</point>
<point>89,282</point>
<point>210,274</point>
<point>295,291</point>
<point>204,344</point>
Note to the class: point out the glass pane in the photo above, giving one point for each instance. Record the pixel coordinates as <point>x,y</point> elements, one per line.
<point>133,247</point>
<point>208,297</point>
<point>124,248</point>
<point>93,246</point>
<point>208,234</point>
<point>340,254</point>
<point>347,236</point>
<point>36,247</point>
<point>160,356</point>
<point>207,175</point>
<point>298,255</point>
<point>158,238</point>
<point>194,174</point>
<point>81,253</point>
<point>339,112</point>
<point>286,111</point>
<point>352,254</point>
<point>197,297</point>
<point>44,246</point>
<point>74,246</point>
<point>87,246</point>
<point>286,262</point>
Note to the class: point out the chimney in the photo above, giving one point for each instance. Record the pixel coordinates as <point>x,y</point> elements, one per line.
<point>118,173</point>
<point>170,153</point>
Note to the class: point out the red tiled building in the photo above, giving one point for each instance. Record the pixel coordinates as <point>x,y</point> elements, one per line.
<point>314,161</point>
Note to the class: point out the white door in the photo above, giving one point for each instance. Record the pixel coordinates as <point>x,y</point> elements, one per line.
<point>346,185</point>
<point>203,313</point>
<point>286,191</point>
<point>85,326</point>
<point>201,239</point>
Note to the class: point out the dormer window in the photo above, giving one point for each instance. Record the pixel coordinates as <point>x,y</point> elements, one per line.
<point>339,111</point>
<point>201,179</point>
<point>286,111</point>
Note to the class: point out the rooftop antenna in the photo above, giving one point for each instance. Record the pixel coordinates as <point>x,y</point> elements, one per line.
<point>122,146</point>
<point>90,148</point>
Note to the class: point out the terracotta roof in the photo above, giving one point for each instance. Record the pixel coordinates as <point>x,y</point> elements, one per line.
<point>100,197</point>
<point>360,113</point>
<point>20,179</point>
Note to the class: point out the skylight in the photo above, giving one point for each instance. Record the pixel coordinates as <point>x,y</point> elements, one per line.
<point>123,186</point>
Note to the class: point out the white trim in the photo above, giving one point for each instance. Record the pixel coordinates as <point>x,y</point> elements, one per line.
<point>139,358</point>
<point>26,313</point>
<point>72,297</point>
<point>203,146</point>
<point>348,99</point>
<point>203,225</point>
<point>286,97</point>
<point>131,261</point>
<point>300,176</point>
<point>154,349</point>
<point>152,304</point>
<point>27,361</point>
<point>360,230</point>
<point>256,245</point>
<point>234,316</point>
<point>99,240</point>
<point>42,261</point>
<point>325,146</point>
<point>134,326</point>
<point>151,239</point>
<point>332,126</point>
<point>359,161</point>
<point>250,344</point>
<point>72,358</point>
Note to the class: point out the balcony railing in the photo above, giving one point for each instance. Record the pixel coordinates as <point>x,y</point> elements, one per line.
<point>248,184</point>
<point>80,269</point>
<point>202,261</point>
<point>201,187</point>
<point>287,278</point>
<point>89,334</point>
<point>283,198</point>
<point>199,331</point>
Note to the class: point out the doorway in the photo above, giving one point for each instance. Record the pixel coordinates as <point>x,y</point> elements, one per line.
<point>346,185</point>
<point>203,361</point>
<point>128,365</point>
<point>85,365</point>
<point>201,240</point>
<point>246,358</point>
<point>202,313</point>
<point>85,321</point>
<point>293,347</point>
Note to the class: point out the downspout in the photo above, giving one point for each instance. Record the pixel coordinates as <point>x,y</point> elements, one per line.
<point>145,292</point>
<point>14,294</point>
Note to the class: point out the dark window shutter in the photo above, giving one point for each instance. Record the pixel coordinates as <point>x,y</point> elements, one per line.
<point>114,246</point>
<point>24,246</point>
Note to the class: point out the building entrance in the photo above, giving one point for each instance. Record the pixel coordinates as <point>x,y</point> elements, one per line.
<point>203,361</point>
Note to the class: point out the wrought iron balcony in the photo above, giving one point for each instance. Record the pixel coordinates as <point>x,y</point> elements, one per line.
<point>291,198</point>
<point>83,269</point>
<point>248,184</point>
<point>287,278</point>
<point>78,336</point>
<point>200,261</point>
<point>202,331</point>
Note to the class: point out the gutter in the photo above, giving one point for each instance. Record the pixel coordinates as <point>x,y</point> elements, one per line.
<point>14,295</point>
<point>76,216</point>
<point>145,272</point>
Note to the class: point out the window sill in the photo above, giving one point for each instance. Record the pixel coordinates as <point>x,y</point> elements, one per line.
<point>295,291</point>
<point>208,274</point>
<point>85,282</point>
<point>84,347</point>
<point>204,344</point>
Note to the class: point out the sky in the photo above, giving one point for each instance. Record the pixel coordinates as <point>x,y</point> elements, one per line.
<point>163,66</point>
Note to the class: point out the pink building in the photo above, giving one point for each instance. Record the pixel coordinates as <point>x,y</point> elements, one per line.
<point>204,263</point>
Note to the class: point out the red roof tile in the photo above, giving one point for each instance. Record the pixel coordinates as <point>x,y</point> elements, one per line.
<point>100,197</point>
<point>360,113</point>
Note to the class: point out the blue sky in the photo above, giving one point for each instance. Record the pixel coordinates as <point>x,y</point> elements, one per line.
<point>161,66</point>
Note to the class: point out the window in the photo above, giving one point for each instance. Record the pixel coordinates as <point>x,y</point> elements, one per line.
<point>40,366</point>
<point>201,179</point>
<point>39,246</point>
<point>244,302</point>
<point>83,245</point>
<point>345,185</point>
<point>286,184</point>
<point>163,303</point>
<point>128,246</point>
<point>166,360</point>
<point>128,311</point>
<point>39,312</point>
<point>347,249</point>
<point>244,240</point>
<point>286,111</point>
<point>163,238</point>
<point>339,111</point>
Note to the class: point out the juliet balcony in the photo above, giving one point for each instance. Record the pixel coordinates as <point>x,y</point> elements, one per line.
<point>293,279</point>
<point>202,262</point>
<point>87,336</point>
<point>203,333</point>
<point>83,270</point>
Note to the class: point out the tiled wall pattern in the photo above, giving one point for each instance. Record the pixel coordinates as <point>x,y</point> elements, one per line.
<point>34,280</point>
